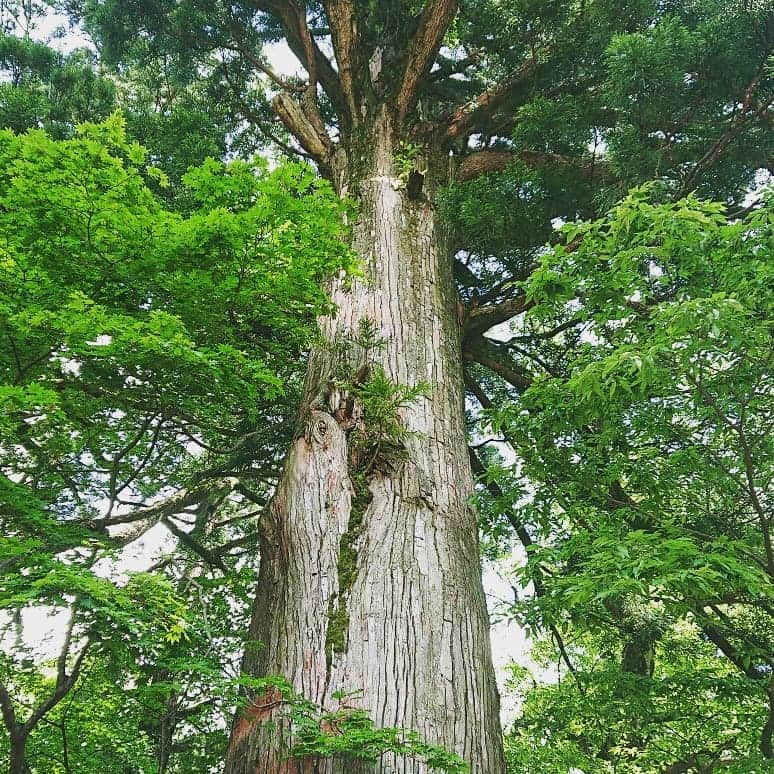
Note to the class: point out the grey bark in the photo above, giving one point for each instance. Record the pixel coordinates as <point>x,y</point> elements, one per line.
<point>417,649</point>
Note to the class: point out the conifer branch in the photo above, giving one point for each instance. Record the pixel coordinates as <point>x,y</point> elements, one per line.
<point>436,18</point>
<point>467,118</point>
<point>485,161</point>
<point>344,34</point>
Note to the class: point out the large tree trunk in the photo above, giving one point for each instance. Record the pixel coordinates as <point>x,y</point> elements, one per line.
<point>369,579</point>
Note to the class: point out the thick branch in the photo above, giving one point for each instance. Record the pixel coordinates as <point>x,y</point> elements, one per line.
<point>471,116</point>
<point>318,145</point>
<point>436,18</point>
<point>342,20</point>
<point>481,318</point>
<point>485,161</point>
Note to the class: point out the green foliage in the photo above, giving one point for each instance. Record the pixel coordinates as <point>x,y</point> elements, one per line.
<point>347,733</point>
<point>103,289</point>
<point>648,453</point>
<point>405,159</point>
<point>694,710</point>
<point>380,440</point>
<point>141,693</point>
<point>48,90</point>
<point>141,349</point>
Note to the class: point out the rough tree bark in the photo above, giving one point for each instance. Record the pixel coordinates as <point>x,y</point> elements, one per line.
<point>408,628</point>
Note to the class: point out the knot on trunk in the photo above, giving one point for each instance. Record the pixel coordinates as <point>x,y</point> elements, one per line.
<point>321,428</point>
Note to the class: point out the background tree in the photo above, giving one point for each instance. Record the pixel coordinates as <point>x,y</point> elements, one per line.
<point>649,450</point>
<point>137,387</point>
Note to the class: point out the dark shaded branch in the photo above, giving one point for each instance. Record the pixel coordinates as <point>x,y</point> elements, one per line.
<point>473,386</point>
<point>485,352</point>
<point>549,334</point>
<point>485,161</point>
<point>64,681</point>
<point>250,539</point>
<point>494,489</point>
<point>480,319</point>
<point>436,18</point>
<point>212,558</point>
<point>714,635</point>
<point>467,118</point>
<point>8,712</point>
<point>766,747</point>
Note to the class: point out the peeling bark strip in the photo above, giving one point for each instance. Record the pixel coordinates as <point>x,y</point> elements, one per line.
<point>417,631</point>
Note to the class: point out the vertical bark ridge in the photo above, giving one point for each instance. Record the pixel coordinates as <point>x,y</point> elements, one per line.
<point>417,645</point>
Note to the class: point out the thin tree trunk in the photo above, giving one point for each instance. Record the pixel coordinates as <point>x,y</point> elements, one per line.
<point>18,762</point>
<point>378,591</point>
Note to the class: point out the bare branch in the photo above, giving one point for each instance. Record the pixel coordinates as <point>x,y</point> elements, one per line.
<point>212,558</point>
<point>474,387</point>
<point>171,505</point>
<point>436,18</point>
<point>262,67</point>
<point>258,121</point>
<point>64,681</point>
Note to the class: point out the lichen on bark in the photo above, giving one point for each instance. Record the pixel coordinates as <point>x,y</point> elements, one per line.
<point>375,435</point>
<point>346,567</point>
